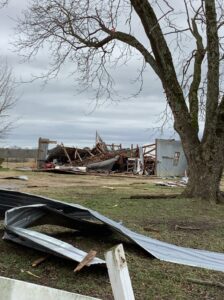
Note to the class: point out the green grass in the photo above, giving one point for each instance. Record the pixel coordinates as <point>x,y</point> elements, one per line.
<point>151,278</point>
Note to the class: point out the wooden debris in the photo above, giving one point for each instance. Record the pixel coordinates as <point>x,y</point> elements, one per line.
<point>102,152</point>
<point>149,228</point>
<point>205,282</point>
<point>34,275</point>
<point>159,196</point>
<point>108,187</point>
<point>150,145</point>
<point>118,273</point>
<point>90,153</point>
<point>30,273</point>
<point>66,153</point>
<point>37,186</point>
<point>170,183</point>
<point>77,152</point>
<point>39,261</point>
<point>86,260</point>
<point>149,151</point>
<point>186,227</point>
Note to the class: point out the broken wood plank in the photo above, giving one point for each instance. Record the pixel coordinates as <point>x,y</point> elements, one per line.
<point>186,227</point>
<point>40,260</point>
<point>148,228</point>
<point>77,152</point>
<point>157,196</point>
<point>30,273</point>
<point>149,151</point>
<point>75,155</point>
<point>66,153</point>
<point>118,273</point>
<point>205,282</point>
<point>150,145</point>
<point>90,153</point>
<point>98,150</point>
<point>86,260</point>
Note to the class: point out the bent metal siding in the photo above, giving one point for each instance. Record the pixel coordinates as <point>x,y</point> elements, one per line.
<point>22,211</point>
<point>12,289</point>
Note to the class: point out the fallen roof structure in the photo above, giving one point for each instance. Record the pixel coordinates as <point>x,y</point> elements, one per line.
<point>101,158</point>
<point>23,210</point>
<point>105,165</point>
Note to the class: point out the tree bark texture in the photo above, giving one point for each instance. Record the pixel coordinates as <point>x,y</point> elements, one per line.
<point>205,168</point>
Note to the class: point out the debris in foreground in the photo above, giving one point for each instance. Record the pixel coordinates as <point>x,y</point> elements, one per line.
<point>21,177</point>
<point>40,260</point>
<point>206,282</point>
<point>29,273</point>
<point>12,289</point>
<point>26,210</point>
<point>154,196</point>
<point>186,227</point>
<point>119,274</point>
<point>86,261</point>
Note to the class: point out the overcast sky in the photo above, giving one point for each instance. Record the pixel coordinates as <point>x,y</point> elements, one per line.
<point>59,112</point>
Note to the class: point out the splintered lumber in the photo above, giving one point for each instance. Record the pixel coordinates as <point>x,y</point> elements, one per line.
<point>30,273</point>
<point>150,145</point>
<point>118,273</point>
<point>205,282</point>
<point>90,153</point>
<point>66,153</point>
<point>157,196</point>
<point>77,152</point>
<point>34,275</point>
<point>39,261</point>
<point>149,151</point>
<point>86,260</point>
<point>75,155</point>
<point>186,227</point>
<point>148,228</point>
<point>99,150</point>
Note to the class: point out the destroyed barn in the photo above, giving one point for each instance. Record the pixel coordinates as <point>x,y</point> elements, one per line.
<point>162,158</point>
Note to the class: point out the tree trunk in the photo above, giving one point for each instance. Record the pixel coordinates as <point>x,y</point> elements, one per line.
<point>205,167</point>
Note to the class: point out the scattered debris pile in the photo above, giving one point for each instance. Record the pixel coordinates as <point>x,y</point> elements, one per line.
<point>101,158</point>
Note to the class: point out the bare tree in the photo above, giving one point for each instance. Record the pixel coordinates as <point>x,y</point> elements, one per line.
<point>3,3</point>
<point>7,99</point>
<point>7,92</point>
<point>95,34</point>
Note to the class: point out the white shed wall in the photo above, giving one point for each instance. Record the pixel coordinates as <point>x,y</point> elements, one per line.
<point>166,165</point>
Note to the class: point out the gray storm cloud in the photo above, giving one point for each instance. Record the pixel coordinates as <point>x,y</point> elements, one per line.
<point>59,111</point>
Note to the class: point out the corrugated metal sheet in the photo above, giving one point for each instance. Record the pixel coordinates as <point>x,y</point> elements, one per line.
<point>42,210</point>
<point>12,289</point>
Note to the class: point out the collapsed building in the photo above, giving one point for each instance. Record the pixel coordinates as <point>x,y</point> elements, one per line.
<point>162,158</point>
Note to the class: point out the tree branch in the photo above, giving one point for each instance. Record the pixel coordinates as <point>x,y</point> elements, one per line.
<point>164,60</point>
<point>193,93</point>
<point>213,69</point>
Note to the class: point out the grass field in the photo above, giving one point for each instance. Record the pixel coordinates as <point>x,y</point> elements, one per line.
<point>151,278</point>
